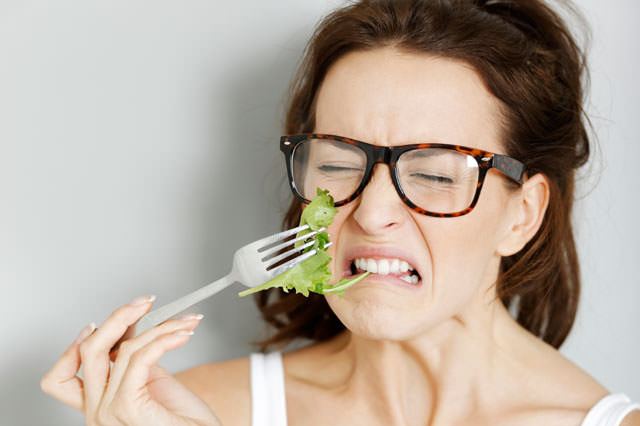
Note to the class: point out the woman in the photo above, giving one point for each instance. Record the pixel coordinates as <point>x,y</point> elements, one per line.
<point>457,250</point>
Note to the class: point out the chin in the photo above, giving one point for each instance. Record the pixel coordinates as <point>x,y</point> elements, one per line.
<point>372,318</point>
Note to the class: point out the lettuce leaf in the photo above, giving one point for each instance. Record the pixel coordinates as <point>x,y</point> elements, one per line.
<point>313,274</point>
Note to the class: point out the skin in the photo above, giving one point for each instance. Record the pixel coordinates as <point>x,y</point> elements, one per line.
<point>444,352</point>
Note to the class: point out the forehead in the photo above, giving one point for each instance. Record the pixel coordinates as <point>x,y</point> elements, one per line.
<point>388,97</point>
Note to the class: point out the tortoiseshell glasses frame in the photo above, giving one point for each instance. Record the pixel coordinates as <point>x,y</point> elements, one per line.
<point>509,166</point>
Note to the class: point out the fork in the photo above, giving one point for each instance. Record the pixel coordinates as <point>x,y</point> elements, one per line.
<point>253,264</point>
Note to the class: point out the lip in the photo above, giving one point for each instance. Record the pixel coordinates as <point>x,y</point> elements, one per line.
<point>381,253</point>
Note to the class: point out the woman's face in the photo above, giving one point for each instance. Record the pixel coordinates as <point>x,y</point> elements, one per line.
<point>387,97</point>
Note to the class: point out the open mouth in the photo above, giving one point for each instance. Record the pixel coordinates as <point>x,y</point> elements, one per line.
<point>387,266</point>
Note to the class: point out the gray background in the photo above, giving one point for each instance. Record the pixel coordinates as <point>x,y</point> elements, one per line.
<point>138,149</point>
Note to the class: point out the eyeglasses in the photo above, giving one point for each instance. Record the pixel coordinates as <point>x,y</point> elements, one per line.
<point>433,179</point>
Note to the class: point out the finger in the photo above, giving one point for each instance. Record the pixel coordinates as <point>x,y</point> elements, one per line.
<point>94,351</point>
<point>134,382</point>
<point>186,322</point>
<point>62,381</point>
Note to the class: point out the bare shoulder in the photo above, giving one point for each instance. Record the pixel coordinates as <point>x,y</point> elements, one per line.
<point>223,386</point>
<point>632,419</point>
<point>565,388</point>
<point>564,417</point>
<point>547,387</point>
<point>562,394</point>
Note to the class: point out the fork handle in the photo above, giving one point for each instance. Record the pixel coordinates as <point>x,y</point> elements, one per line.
<point>167,311</point>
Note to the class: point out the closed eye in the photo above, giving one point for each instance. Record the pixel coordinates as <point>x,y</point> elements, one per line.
<point>433,178</point>
<point>331,169</point>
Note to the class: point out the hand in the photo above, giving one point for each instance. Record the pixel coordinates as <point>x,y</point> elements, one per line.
<point>134,390</point>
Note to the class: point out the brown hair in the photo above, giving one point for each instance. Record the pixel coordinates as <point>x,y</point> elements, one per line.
<point>529,60</point>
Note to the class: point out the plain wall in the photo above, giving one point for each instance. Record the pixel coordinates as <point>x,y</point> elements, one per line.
<point>139,149</point>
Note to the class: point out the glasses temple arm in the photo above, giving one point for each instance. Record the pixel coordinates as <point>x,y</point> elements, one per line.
<point>509,166</point>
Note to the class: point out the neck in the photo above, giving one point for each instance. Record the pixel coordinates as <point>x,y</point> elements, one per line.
<point>438,377</point>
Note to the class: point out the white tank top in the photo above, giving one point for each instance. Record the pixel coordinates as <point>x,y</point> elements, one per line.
<point>268,400</point>
<point>610,410</point>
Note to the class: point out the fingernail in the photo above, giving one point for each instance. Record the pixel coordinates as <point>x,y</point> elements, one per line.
<point>86,332</point>
<point>187,317</point>
<point>184,333</point>
<point>142,300</point>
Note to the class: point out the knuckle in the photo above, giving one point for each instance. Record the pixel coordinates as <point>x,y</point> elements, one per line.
<point>87,348</point>
<point>137,356</point>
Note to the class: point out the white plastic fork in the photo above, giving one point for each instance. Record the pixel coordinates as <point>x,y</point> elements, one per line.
<point>250,267</point>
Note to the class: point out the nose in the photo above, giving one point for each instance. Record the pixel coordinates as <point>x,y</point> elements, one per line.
<point>380,209</point>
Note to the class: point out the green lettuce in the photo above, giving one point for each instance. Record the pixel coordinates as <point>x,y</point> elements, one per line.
<point>313,274</point>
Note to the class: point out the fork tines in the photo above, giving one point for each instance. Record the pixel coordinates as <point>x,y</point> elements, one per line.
<point>276,253</point>
<point>277,270</point>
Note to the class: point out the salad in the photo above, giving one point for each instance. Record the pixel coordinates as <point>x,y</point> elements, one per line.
<point>313,274</point>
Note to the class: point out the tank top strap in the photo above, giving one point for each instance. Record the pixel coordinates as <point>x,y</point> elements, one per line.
<point>268,400</point>
<point>610,410</point>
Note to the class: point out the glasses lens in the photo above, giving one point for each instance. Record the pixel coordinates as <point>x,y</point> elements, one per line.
<point>327,164</point>
<point>438,180</point>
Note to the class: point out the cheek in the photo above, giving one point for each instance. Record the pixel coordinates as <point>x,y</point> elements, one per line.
<point>457,256</point>
<point>334,231</point>
<point>462,248</point>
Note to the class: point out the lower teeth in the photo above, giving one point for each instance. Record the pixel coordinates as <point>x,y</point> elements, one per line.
<point>411,279</point>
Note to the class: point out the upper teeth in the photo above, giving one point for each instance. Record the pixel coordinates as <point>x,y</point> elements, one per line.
<point>382,266</point>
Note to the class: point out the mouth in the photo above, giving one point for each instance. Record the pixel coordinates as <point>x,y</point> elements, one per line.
<point>382,268</point>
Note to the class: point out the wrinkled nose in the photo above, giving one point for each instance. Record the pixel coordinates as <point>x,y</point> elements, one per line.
<point>380,209</point>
